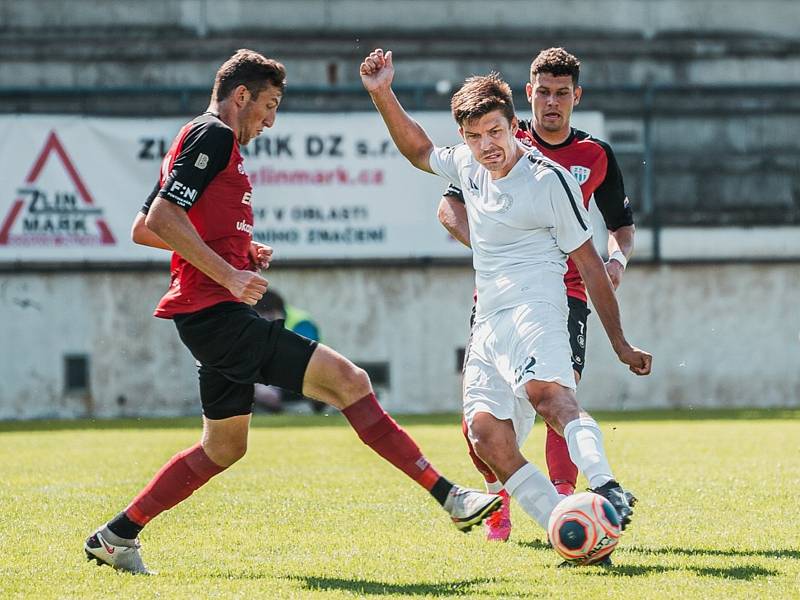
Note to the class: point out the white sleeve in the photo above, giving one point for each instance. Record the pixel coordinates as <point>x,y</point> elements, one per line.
<point>445,162</point>
<point>572,225</point>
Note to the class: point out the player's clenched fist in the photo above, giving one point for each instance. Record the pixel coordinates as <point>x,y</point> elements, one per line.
<point>638,361</point>
<point>260,255</point>
<point>248,286</point>
<point>377,70</point>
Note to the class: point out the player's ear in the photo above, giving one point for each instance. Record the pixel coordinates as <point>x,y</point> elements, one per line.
<point>514,124</point>
<point>461,132</point>
<point>529,91</point>
<point>241,95</point>
<point>578,94</point>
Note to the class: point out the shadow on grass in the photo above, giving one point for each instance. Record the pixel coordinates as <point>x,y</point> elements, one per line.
<point>779,553</point>
<point>533,544</point>
<point>335,420</point>
<point>740,572</point>
<point>367,587</point>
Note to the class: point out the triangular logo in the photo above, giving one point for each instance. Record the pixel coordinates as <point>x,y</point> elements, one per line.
<point>54,207</point>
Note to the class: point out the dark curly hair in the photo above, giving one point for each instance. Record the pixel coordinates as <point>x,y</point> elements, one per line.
<point>480,95</point>
<point>250,69</point>
<point>557,62</point>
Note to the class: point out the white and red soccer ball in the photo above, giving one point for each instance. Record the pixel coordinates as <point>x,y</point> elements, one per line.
<point>584,528</point>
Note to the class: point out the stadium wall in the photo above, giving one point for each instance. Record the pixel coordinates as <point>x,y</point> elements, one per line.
<point>723,335</point>
<point>648,17</point>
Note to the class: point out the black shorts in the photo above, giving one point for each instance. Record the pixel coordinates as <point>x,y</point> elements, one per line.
<point>576,324</point>
<point>236,348</point>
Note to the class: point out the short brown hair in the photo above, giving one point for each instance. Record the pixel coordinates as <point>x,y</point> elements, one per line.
<point>250,69</point>
<point>557,62</point>
<point>480,95</point>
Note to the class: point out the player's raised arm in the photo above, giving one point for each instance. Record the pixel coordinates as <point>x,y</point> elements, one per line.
<point>377,72</point>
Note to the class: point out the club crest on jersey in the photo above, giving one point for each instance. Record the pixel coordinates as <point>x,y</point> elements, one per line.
<point>500,204</point>
<point>580,173</point>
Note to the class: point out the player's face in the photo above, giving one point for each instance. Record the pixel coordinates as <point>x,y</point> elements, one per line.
<point>258,113</point>
<point>491,140</point>
<point>552,99</point>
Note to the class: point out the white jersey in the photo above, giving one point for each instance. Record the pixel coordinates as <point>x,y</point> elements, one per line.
<point>521,226</point>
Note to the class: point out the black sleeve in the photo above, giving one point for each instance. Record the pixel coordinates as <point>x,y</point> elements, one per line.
<point>205,152</point>
<point>149,202</point>
<point>610,195</point>
<point>454,192</point>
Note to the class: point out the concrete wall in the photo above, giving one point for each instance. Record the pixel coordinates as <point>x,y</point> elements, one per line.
<point>52,43</point>
<point>648,17</point>
<point>722,335</point>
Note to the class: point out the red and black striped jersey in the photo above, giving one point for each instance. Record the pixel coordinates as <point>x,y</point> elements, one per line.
<point>203,173</point>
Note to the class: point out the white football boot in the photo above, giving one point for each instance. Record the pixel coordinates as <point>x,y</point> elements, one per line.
<point>121,557</point>
<point>468,507</point>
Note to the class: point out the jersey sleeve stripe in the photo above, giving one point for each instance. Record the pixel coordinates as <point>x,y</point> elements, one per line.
<point>566,189</point>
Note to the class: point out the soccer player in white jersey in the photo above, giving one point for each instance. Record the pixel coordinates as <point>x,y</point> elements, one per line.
<point>525,216</point>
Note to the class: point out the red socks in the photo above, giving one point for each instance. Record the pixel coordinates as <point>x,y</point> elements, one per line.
<point>563,473</point>
<point>177,480</point>
<point>488,474</point>
<point>381,433</point>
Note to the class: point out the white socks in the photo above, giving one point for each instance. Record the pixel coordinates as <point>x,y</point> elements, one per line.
<point>534,492</point>
<point>494,487</point>
<point>585,443</point>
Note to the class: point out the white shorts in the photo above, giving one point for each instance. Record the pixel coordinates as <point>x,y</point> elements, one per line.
<point>508,349</point>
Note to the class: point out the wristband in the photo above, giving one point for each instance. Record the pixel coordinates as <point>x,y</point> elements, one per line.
<point>619,256</point>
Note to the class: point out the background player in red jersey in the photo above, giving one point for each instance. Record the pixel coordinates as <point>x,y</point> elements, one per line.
<point>200,209</point>
<point>553,92</point>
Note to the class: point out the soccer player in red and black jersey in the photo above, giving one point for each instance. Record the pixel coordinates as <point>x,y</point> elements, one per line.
<point>200,210</point>
<point>553,92</point>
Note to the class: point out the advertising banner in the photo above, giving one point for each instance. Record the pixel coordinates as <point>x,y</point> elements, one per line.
<point>325,186</point>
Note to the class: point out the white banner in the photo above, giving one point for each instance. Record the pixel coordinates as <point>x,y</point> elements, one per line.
<point>325,186</point>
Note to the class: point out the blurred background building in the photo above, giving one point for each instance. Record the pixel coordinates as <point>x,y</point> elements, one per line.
<point>699,98</point>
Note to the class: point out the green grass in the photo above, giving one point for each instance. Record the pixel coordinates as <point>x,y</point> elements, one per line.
<point>311,512</point>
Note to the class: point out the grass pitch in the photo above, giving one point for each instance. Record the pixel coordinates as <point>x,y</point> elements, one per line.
<point>312,513</point>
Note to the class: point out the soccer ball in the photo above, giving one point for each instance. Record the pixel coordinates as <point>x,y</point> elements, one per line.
<point>584,528</point>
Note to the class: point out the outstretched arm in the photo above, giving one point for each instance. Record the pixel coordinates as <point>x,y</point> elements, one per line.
<point>599,287</point>
<point>377,72</point>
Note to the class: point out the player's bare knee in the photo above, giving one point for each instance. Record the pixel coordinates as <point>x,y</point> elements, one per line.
<point>490,444</point>
<point>557,405</point>
<point>232,452</point>
<point>485,450</point>
<point>354,384</point>
<point>225,450</point>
